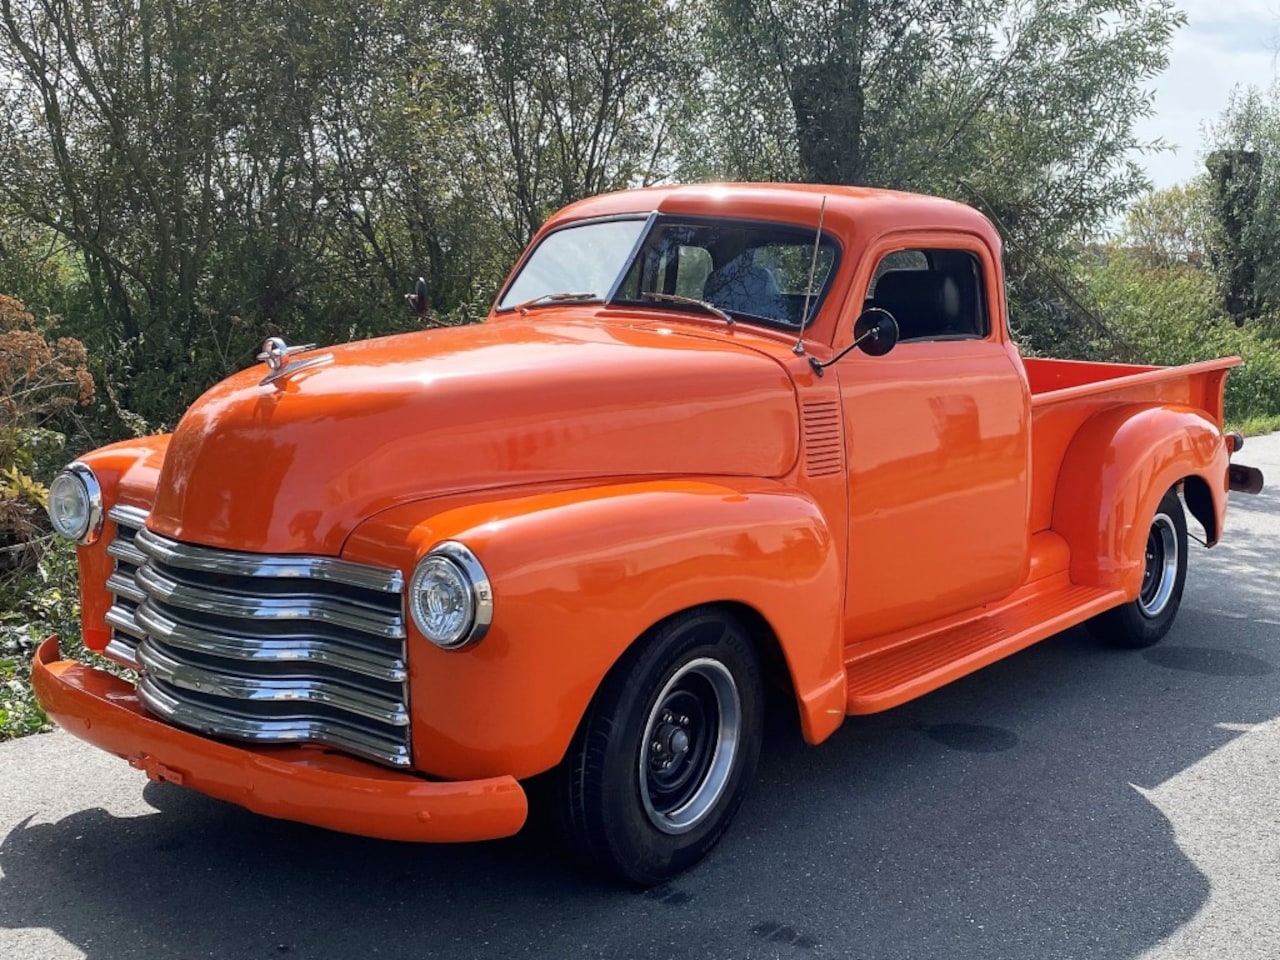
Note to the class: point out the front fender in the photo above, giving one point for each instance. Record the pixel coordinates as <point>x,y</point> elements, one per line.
<point>577,576</point>
<point>1116,469</point>
<point>127,473</point>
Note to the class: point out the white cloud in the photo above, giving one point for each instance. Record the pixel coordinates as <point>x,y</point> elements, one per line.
<point>1225,44</point>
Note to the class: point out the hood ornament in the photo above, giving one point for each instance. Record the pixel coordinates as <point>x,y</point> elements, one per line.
<point>276,353</point>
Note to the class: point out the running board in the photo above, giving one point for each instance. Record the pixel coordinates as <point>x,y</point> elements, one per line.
<point>903,671</point>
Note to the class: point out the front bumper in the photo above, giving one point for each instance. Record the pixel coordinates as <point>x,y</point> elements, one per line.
<point>293,783</point>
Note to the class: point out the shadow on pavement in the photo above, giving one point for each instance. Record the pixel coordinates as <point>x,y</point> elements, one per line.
<point>995,818</point>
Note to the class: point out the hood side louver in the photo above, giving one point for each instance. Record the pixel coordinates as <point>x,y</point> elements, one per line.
<point>823,446</point>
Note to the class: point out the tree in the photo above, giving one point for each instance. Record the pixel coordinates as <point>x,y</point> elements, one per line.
<point>220,172</point>
<point>1024,109</point>
<point>1169,227</point>
<point>574,99</point>
<point>1243,202</point>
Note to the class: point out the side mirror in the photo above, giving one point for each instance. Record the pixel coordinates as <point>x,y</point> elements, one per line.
<point>419,302</point>
<point>875,332</point>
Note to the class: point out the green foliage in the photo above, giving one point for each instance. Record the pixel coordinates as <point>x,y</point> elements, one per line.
<point>1026,110</point>
<point>578,99</point>
<point>41,600</point>
<point>1172,315</point>
<point>223,172</point>
<point>1170,227</point>
<point>40,378</point>
<point>1243,200</point>
<point>1255,426</point>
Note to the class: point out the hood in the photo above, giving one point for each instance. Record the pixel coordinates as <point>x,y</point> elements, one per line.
<point>292,466</point>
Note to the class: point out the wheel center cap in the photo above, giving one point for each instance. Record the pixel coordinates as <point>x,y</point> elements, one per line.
<point>679,741</point>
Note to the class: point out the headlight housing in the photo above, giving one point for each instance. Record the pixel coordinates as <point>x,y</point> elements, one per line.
<point>449,597</point>
<point>75,504</point>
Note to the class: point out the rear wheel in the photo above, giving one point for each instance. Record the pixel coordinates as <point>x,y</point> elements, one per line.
<point>668,747</point>
<point>1146,620</point>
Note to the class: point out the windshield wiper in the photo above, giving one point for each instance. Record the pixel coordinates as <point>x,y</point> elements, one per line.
<point>547,298</point>
<point>688,301</point>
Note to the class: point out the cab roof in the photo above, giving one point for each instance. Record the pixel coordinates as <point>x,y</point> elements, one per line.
<point>862,210</point>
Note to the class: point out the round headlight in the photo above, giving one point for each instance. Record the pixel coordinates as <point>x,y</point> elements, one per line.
<point>75,504</point>
<point>449,597</point>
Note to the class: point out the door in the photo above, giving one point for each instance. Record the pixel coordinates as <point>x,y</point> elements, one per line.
<point>938,446</point>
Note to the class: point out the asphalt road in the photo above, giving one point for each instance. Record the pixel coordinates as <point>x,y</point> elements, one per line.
<point>1071,801</point>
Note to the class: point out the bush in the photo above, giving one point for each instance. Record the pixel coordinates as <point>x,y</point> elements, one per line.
<point>40,600</point>
<point>40,379</point>
<point>1171,315</point>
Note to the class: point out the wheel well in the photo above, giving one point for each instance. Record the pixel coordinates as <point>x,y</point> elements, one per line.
<point>768,648</point>
<point>772,661</point>
<point>1195,491</point>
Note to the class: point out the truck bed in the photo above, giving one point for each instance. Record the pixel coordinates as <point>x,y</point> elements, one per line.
<point>1065,393</point>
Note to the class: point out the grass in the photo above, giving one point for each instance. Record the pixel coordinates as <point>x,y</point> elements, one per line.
<point>1256,426</point>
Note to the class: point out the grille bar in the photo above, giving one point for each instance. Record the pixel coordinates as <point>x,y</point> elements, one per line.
<point>133,517</point>
<point>219,721</point>
<point>260,648</point>
<point>186,557</point>
<point>286,648</point>
<point>160,587</point>
<point>126,551</point>
<point>125,585</point>
<point>176,672</point>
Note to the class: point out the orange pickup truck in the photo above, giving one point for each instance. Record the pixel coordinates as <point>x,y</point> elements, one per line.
<point>708,437</point>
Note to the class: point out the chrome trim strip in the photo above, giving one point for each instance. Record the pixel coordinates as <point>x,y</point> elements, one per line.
<point>303,691</point>
<point>284,648</point>
<point>126,516</point>
<point>294,366</point>
<point>236,726</point>
<point>121,653</point>
<point>182,555</point>
<point>125,586</point>
<point>123,620</point>
<point>124,550</point>
<point>157,586</point>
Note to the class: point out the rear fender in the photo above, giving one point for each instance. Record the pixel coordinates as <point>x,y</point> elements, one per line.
<point>1116,469</point>
<point>577,576</point>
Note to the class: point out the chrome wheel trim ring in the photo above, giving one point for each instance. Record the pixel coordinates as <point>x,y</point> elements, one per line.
<point>1160,574</point>
<point>713,778</point>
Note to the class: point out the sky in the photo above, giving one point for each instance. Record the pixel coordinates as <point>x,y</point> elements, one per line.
<point>1224,44</point>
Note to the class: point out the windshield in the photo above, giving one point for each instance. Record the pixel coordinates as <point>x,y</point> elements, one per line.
<point>587,258</point>
<point>751,271</point>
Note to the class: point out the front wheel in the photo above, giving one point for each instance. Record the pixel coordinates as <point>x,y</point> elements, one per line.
<point>665,754</point>
<point>1146,620</point>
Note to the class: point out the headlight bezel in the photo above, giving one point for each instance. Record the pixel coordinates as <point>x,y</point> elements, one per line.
<point>79,473</point>
<point>463,564</point>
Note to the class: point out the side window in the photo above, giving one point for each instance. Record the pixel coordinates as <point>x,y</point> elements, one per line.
<point>933,294</point>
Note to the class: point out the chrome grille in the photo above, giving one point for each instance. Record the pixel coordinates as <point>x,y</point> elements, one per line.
<point>268,649</point>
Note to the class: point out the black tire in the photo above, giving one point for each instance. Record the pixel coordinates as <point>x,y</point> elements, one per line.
<point>664,756</point>
<point>1146,620</point>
